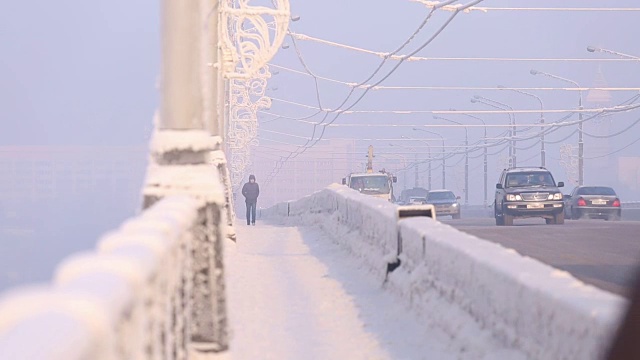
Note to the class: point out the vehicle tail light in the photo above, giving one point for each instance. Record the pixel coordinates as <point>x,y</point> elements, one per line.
<point>581,202</point>
<point>616,203</point>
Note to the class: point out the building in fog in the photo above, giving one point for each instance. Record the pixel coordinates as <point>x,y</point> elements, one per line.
<point>40,173</point>
<point>325,163</point>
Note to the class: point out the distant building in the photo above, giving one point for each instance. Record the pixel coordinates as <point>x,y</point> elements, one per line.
<point>318,167</point>
<point>629,172</point>
<point>34,173</point>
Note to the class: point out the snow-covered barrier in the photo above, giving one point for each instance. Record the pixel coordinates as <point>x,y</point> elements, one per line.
<point>128,299</point>
<point>527,306</point>
<point>154,288</point>
<point>540,310</point>
<point>368,223</point>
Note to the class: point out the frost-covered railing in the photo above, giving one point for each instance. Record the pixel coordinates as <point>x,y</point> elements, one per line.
<point>524,304</point>
<point>152,289</point>
<point>630,204</point>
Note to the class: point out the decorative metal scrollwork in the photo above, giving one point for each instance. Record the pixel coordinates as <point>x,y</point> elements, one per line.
<point>246,98</point>
<point>249,41</point>
<point>248,38</point>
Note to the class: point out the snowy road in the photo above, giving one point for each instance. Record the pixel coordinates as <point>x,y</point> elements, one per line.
<point>295,295</point>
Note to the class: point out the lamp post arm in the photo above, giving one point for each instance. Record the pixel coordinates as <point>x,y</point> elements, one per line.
<point>616,53</point>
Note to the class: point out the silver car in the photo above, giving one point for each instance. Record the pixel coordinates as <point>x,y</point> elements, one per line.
<point>445,202</point>
<point>592,202</point>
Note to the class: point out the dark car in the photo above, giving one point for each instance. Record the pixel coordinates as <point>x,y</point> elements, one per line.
<point>445,202</point>
<point>526,193</point>
<point>407,194</point>
<point>593,202</point>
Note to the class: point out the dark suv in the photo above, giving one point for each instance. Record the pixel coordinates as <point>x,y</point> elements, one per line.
<point>528,192</point>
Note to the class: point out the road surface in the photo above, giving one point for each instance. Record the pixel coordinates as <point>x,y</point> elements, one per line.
<point>602,253</point>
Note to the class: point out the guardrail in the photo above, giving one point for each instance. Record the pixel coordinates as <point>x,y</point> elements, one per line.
<point>630,210</point>
<point>526,305</point>
<point>152,289</point>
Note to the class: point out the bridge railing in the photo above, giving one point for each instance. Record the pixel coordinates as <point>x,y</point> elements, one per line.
<point>152,289</point>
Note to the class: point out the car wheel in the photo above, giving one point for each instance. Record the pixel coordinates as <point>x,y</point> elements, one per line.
<point>549,221</point>
<point>499,219</point>
<point>558,219</point>
<point>574,214</point>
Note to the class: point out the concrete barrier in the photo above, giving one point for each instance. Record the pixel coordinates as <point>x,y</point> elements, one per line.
<point>526,305</point>
<point>122,301</point>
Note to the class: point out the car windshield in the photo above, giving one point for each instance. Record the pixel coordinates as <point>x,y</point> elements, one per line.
<point>371,185</point>
<point>530,179</point>
<point>596,190</point>
<point>441,195</point>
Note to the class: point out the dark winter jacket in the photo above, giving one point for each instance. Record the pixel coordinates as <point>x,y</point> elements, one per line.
<point>250,191</point>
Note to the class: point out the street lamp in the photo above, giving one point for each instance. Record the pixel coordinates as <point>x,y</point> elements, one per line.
<point>417,163</point>
<point>512,122</point>
<point>580,135</point>
<point>466,156</point>
<point>542,149</point>
<point>444,158</point>
<point>397,170</point>
<point>622,55</point>
<point>484,155</point>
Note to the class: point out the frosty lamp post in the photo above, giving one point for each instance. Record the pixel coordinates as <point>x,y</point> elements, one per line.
<point>248,43</point>
<point>542,149</point>
<point>580,125</point>
<point>484,155</point>
<point>616,53</point>
<point>180,150</point>
<point>417,163</point>
<point>512,122</point>
<point>466,156</point>
<point>444,158</point>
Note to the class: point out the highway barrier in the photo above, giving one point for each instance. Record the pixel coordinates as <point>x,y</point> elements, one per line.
<point>527,306</point>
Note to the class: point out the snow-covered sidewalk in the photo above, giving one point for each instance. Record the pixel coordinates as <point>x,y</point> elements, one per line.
<point>294,294</point>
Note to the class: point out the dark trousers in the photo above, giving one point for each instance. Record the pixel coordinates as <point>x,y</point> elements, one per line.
<point>251,211</point>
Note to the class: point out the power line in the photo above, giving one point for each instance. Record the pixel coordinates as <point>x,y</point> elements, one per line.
<point>430,3</point>
<point>457,88</point>
<point>389,73</point>
<point>391,56</point>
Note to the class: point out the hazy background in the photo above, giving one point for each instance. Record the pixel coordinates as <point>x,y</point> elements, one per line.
<point>84,73</point>
<point>383,26</point>
<point>74,74</point>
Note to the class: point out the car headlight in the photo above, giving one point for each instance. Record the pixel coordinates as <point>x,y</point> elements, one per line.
<point>455,205</point>
<point>556,196</point>
<point>514,197</point>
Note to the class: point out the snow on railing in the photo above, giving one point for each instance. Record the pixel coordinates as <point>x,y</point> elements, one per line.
<point>152,289</point>
<point>525,305</point>
<point>127,299</point>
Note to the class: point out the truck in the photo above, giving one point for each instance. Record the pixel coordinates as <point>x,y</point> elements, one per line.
<point>378,184</point>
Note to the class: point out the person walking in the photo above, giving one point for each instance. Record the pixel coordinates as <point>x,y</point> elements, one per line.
<point>250,191</point>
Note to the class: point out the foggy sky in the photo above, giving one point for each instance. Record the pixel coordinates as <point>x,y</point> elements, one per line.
<point>378,26</point>
<point>84,73</point>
